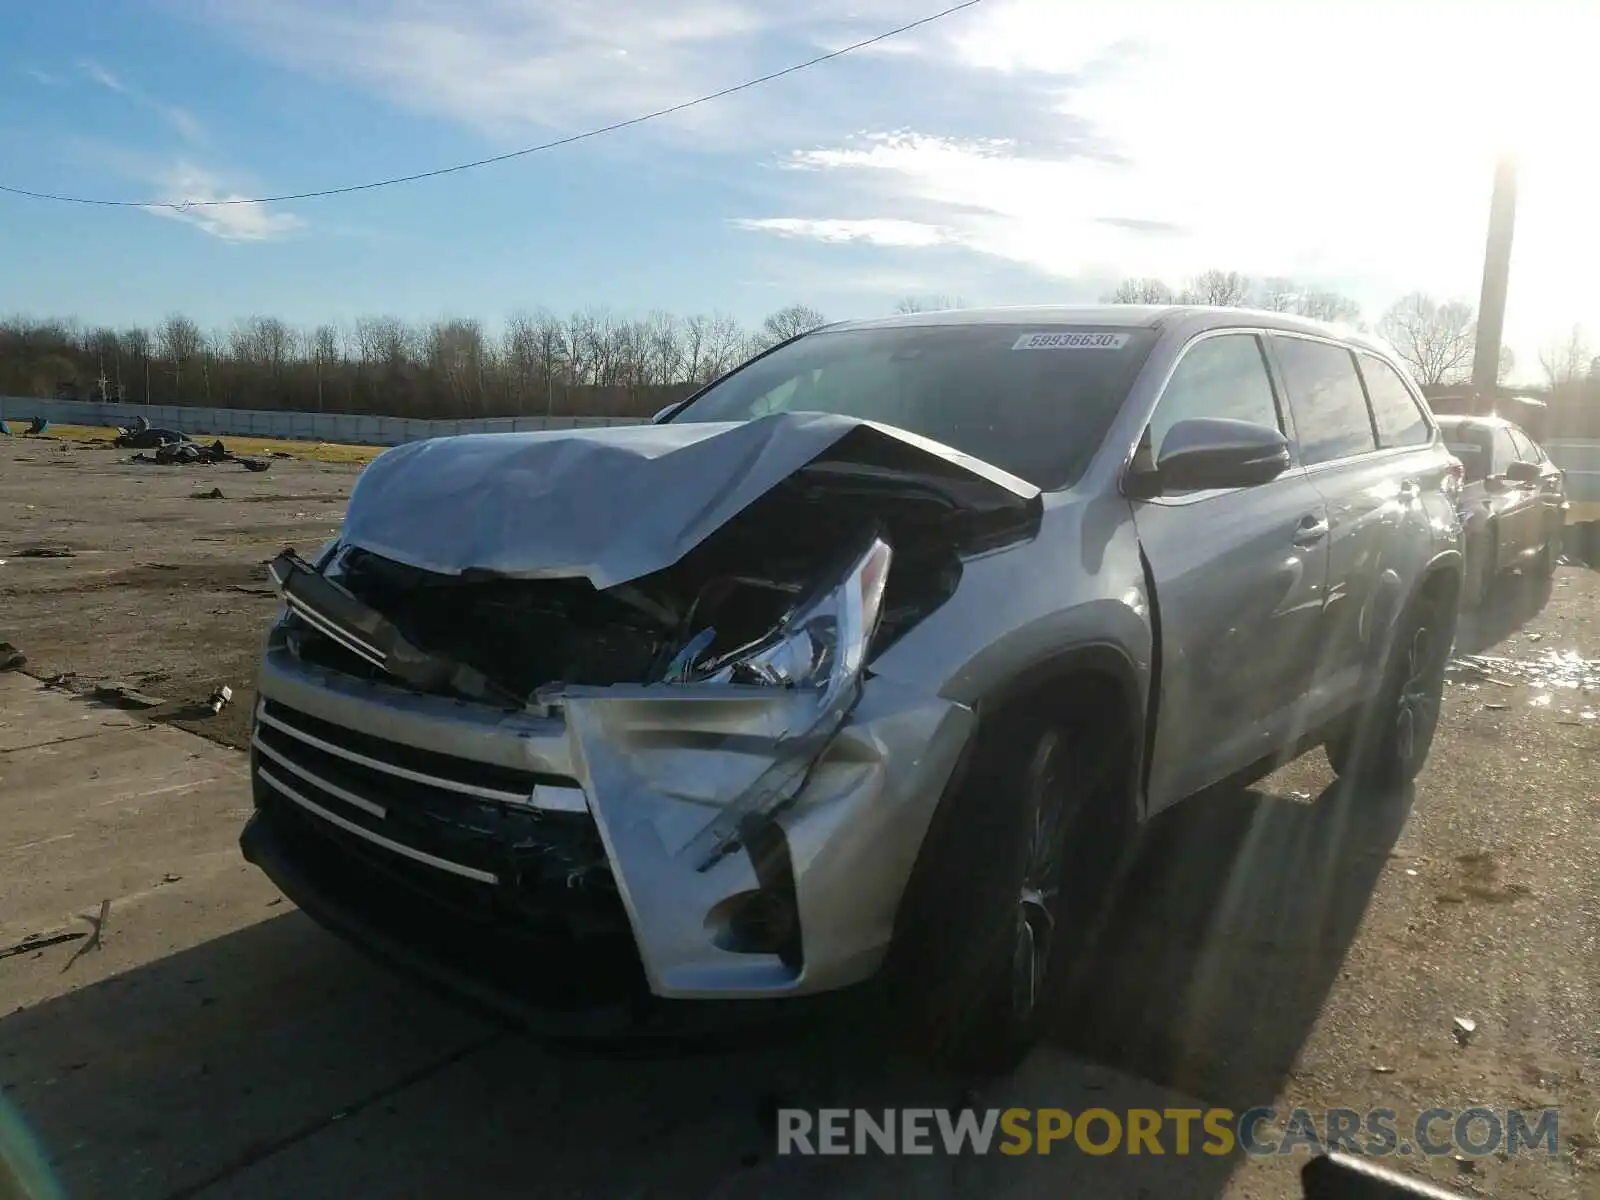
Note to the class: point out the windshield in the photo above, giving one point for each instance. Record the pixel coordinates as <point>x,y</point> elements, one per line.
<point>1032,401</point>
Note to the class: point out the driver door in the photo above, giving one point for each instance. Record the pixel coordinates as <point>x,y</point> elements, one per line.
<point>1240,581</point>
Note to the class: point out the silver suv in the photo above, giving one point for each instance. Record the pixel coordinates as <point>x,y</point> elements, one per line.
<point>861,664</point>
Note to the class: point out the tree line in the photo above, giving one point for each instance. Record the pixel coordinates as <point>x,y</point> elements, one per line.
<point>591,363</point>
<point>597,363</point>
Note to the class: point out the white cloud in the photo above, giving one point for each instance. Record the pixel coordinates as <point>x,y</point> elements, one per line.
<point>187,125</point>
<point>1155,137</point>
<point>503,65</point>
<point>231,222</point>
<point>1354,151</point>
<point>876,231</point>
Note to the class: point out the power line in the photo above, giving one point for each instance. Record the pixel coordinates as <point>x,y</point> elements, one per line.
<point>182,205</point>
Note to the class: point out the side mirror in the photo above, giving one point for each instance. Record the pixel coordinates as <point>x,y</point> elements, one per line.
<point>1217,452</point>
<point>1523,472</point>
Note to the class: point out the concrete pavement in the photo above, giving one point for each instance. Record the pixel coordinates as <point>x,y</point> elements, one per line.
<point>214,1043</point>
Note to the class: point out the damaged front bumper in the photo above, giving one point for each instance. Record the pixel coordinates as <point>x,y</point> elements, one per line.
<point>542,855</point>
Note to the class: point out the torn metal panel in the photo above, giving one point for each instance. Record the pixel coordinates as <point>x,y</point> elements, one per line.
<point>657,764</point>
<point>616,504</point>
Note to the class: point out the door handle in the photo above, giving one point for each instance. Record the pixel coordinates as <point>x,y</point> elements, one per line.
<point>1312,529</point>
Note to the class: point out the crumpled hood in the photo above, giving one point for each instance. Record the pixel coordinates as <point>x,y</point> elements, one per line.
<point>615,504</point>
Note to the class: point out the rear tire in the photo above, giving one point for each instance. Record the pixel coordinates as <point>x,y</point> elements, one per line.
<point>1388,740</point>
<point>1005,890</point>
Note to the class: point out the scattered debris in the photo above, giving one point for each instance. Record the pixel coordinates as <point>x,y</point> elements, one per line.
<point>219,698</point>
<point>38,941</point>
<point>140,436</point>
<point>1411,871</point>
<point>1383,1070</point>
<point>169,877</point>
<point>172,448</point>
<point>61,679</point>
<point>124,696</point>
<point>1493,707</point>
<point>214,494</point>
<point>54,550</point>
<point>1552,670</point>
<point>1465,1165</point>
<point>1462,666</point>
<point>1465,1027</point>
<point>275,901</point>
<point>254,590</point>
<point>1535,637</point>
<point>11,659</point>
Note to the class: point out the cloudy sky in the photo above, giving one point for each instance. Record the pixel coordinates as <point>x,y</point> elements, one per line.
<point>1020,151</point>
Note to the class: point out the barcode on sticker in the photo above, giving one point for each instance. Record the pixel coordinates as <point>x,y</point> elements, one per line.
<point>1071,341</point>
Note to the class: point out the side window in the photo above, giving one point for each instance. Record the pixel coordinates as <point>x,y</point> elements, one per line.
<point>1505,450</point>
<point>1525,448</point>
<point>1330,408</point>
<point>1400,422</point>
<point>1222,376</point>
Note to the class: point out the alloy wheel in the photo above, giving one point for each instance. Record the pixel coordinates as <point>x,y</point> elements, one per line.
<point>1417,706</point>
<point>1035,910</point>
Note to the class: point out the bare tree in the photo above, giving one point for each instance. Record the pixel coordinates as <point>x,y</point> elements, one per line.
<point>791,322</point>
<point>1436,339</point>
<point>1225,289</point>
<point>179,342</point>
<point>725,348</point>
<point>1566,359</point>
<point>1140,291</point>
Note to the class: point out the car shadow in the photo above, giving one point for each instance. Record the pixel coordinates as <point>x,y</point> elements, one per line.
<point>275,1060</point>
<point>1514,601</point>
<point>1216,951</point>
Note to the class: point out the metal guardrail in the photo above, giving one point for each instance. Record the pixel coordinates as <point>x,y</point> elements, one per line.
<point>292,426</point>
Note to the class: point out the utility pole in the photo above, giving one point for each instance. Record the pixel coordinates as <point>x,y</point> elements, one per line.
<point>1496,277</point>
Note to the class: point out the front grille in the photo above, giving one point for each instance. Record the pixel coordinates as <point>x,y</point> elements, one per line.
<point>455,835</point>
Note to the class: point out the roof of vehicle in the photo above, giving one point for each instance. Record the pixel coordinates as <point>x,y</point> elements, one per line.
<point>1130,316</point>
<point>1482,420</point>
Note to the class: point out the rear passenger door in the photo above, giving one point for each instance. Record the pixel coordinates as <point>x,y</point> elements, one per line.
<point>1379,538</point>
<point>1238,578</point>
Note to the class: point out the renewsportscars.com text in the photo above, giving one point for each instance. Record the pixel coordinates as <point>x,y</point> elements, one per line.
<point>1472,1132</point>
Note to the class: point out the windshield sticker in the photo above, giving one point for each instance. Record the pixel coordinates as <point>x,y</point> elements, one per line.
<point>1071,341</point>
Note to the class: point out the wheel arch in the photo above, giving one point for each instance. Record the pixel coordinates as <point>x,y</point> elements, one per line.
<point>1077,676</point>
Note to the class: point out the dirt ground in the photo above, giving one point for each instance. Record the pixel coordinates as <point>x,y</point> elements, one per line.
<point>165,590</point>
<point>1289,945</point>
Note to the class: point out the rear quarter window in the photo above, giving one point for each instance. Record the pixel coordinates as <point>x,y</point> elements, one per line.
<point>1325,393</point>
<point>1395,410</point>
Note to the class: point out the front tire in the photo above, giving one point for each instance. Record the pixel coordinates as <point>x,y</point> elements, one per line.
<point>1005,892</point>
<point>1389,739</point>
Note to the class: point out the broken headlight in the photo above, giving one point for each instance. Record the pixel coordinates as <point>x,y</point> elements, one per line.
<point>821,642</point>
<point>822,645</point>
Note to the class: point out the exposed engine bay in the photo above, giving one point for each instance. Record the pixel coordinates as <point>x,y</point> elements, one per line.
<point>692,620</point>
